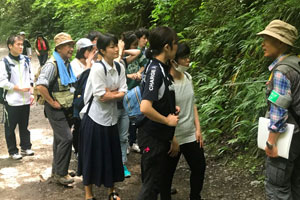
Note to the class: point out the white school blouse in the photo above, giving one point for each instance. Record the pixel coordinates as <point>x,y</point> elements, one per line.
<point>105,113</point>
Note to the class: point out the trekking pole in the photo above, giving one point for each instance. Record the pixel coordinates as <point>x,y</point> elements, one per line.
<point>242,83</point>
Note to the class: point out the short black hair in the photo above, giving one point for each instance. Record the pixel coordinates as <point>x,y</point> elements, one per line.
<point>158,38</point>
<point>93,34</point>
<point>80,52</point>
<point>104,41</point>
<point>11,39</point>
<point>140,32</point>
<point>129,37</point>
<point>182,51</point>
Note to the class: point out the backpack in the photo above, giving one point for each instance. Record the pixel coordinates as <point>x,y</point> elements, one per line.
<point>8,66</point>
<point>131,103</point>
<point>132,100</point>
<point>80,84</point>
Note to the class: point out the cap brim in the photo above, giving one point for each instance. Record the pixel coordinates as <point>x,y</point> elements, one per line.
<point>276,36</point>
<point>65,42</point>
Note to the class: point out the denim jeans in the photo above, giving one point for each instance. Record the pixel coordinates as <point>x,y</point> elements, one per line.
<point>123,125</point>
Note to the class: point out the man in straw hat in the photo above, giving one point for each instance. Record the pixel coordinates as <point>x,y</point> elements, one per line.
<point>283,93</point>
<point>55,84</point>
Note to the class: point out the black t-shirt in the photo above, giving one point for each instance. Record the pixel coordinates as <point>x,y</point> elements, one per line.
<point>159,89</point>
<point>26,44</point>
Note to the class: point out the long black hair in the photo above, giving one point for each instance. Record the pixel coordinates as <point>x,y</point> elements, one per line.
<point>158,38</point>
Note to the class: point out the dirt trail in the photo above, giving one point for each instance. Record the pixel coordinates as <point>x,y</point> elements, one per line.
<point>27,179</point>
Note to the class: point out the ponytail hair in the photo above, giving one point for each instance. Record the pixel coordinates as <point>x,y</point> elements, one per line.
<point>158,38</point>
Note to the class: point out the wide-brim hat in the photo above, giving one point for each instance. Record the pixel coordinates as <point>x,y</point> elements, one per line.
<point>22,33</point>
<point>62,38</point>
<point>282,31</point>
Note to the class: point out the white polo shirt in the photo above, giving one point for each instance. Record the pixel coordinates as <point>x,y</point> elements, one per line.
<point>106,113</point>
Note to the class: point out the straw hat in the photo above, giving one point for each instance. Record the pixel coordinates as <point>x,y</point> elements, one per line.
<point>282,31</point>
<point>62,38</point>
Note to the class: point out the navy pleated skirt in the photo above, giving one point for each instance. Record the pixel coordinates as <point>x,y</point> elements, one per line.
<point>100,157</point>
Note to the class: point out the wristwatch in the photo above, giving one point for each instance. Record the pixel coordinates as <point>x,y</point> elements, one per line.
<point>270,146</point>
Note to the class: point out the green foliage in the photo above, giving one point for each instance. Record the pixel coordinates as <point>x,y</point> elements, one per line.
<point>231,70</point>
<point>228,67</point>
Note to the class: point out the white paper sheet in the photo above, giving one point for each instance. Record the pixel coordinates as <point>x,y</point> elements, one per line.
<point>283,142</point>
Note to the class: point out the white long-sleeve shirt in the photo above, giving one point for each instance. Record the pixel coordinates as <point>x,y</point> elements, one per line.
<point>21,75</point>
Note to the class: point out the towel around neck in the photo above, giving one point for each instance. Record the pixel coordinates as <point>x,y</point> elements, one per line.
<point>66,77</point>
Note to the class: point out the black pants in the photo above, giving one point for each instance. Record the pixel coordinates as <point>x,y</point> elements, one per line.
<point>132,133</point>
<point>75,133</point>
<point>42,59</point>
<point>194,156</point>
<point>17,115</point>
<point>153,162</point>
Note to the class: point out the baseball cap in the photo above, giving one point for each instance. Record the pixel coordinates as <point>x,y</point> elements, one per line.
<point>83,42</point>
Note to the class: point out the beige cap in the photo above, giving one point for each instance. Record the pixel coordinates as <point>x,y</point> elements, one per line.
<point>62,38</point>
<point>282,31</point>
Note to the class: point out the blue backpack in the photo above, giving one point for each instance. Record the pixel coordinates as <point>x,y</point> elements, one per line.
<point>131,103</point>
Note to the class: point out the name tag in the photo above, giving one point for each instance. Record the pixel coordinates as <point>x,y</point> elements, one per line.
<point>72,89</point>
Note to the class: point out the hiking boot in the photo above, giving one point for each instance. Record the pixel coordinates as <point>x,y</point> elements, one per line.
<point>16,156</point>
<point>27,152</point>
<point>127,173</point>
<point>64,180</point>
<point>135,148</point>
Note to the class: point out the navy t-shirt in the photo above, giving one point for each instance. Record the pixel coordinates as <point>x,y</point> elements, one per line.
<point>159,89</point>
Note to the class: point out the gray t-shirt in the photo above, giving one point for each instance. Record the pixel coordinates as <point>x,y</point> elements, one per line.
<point>184,94</point>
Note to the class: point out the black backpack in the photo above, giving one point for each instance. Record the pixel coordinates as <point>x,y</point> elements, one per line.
<point>8,70</point>
<point>80,84</point>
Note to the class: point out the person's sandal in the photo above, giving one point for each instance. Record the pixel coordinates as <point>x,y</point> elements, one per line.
<point>113,196</point>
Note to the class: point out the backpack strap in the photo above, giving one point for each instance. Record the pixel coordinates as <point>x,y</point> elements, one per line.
<point>7,67</point>
<point>105,70</point>
<point>118,67</point>
<point>187,76</point>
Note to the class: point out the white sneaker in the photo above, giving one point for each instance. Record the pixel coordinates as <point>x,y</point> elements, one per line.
<point>135,148</point>
<point>27,152</point>
<point>128,150</point>
<point>16,156</point>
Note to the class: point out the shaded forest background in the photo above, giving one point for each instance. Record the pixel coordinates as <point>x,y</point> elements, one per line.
<point>228,67</point>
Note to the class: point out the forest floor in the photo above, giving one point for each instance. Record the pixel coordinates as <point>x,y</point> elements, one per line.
<point>29,178</point>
